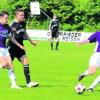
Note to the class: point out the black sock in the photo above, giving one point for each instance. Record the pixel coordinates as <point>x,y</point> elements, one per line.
<point>51,46</point>
<point>27,73</point>
<point>57,43</point>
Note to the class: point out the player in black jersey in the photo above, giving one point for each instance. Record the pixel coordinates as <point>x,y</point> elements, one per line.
<point>54,30</point>
<point>19,32</point>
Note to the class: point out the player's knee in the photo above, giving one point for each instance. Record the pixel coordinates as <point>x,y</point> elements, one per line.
<point>4,64</point>
<point>10,65</point>
<point>51,41</point>
<point>25,62</point>
<point>92,70</point>
<point>57,40</point>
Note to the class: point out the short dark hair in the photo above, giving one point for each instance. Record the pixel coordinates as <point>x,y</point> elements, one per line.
<point>2,13</point>
<point>18,7</point>
<point>19,10</point>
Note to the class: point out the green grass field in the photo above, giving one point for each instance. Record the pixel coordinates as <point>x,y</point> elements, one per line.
<point>56,71</point>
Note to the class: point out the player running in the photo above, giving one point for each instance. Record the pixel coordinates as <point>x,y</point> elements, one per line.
<point>54,30</point>
<point>94,61</point>
<point>19,31</point>
<point>5,59</point>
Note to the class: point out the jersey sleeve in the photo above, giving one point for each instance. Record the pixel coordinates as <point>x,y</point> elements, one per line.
<point>50,25</point>
<point>92,38</point>
<point>9,33</point>
<point>13,25</point>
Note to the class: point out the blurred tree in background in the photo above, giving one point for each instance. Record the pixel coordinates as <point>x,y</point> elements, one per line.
<point>74,15</point>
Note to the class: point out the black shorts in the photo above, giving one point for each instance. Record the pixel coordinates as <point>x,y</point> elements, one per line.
<point>16,52</point>
<point>55,34</point>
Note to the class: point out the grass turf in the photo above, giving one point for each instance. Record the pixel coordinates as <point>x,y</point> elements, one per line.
<point>56,72</point>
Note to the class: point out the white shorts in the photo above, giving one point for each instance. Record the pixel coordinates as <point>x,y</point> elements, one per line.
<point>4,52</point>
<point>95,59</point>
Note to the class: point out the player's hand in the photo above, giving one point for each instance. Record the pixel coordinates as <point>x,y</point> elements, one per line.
<point>14,29</point>
<point>78,44</point>
<point>49,33</point>
<point>33,43</point>
<point>21,47</point>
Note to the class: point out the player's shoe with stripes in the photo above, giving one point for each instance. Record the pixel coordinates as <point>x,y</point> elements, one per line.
<point>15,87</point>
<point>32,84</point>
<point>81,77</point>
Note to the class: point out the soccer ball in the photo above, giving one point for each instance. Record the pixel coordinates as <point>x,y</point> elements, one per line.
<point>79,88</point>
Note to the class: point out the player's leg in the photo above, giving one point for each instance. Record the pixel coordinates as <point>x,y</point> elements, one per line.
<point>52,39</point>
<point>57,41</point>
<point>11,73</point>
<point>6,62</point>
<point>94,83</point>
<point>24,61</point>
<point>93,64</point>
<point>3,61</point>
<point>90,71</point>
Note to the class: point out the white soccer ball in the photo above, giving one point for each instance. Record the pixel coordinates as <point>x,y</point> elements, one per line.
<point>79,88</point>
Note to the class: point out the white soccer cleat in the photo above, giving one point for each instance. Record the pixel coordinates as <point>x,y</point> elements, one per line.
<point>32,84</point>
<point>15,87</point>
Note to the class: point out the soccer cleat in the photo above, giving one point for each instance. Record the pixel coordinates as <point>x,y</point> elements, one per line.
<point>32,84</point>
<point>81,77</point>
<point>51,48</point>
<point>90,89</point>
<point>56,48</point>
<point>15,87</point>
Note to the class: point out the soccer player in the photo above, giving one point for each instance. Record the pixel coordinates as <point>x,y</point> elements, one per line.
<point>54,30</point>
<point>94,83</point>
<point>5,59</point>
<point>19,32</point>
<point>94,61</point>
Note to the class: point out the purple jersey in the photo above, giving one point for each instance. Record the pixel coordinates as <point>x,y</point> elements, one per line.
<point>95,38</point>
<point>4,34</point>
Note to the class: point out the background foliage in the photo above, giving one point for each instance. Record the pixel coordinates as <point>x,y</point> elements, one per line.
<point>74,15</point>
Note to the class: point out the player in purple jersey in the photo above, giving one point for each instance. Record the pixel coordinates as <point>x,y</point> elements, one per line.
<point>94,61</point>
<point>5,59</point>
<point>19,31</point>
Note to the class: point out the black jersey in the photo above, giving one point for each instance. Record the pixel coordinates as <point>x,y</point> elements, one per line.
<point>55,25</point>
<point>18,33</point>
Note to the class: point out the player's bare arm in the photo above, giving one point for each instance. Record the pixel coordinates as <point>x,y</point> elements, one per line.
<point>32,42</point>
<point>82,42</point>
<point>15,42</point>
